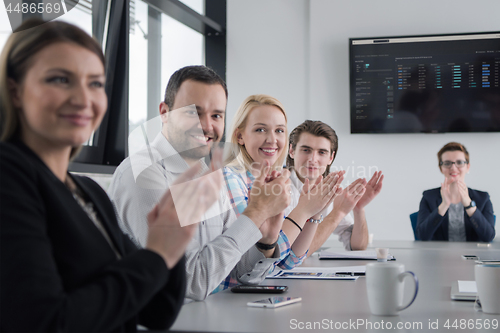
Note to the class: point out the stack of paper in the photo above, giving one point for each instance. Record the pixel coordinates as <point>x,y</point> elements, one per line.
<point>463,290</point>
<point>328,273</point>
<point>467,286</point>
<point>351,255</point>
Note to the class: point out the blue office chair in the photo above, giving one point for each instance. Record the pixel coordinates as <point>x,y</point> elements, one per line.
<point>414,219</point>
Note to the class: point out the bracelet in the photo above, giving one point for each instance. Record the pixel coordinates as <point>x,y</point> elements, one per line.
<point>316,221</point>
<point>266,247</point>
<point>298,226</point>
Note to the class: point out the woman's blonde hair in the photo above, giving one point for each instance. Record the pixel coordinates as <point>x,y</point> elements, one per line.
<point>17,57</point>
<point>238,155</point>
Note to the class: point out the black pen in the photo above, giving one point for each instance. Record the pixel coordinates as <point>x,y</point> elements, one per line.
<point>350,273</point>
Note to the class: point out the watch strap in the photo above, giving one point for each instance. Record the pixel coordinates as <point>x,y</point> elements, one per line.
<point>266,247</point>
<point>472,204</point>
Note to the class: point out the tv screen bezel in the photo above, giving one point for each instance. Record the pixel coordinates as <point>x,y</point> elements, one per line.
<point>351,76</point>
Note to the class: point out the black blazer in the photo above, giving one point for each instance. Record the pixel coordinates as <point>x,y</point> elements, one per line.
<point>58,272</point>
<point>432,226</point>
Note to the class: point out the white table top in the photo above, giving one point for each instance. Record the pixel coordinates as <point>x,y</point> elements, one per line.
<point>328,302</point>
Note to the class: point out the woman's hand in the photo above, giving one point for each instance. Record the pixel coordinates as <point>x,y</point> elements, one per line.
<point>446,191</point>
<point>446,196</point>
<point>464,193</point>
<point>272,226</point>
<point>174,219</point>
<point>270,195</point>
<point>465,198</point>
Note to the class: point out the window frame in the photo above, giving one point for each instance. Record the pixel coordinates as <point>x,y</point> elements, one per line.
<point>111,21</point>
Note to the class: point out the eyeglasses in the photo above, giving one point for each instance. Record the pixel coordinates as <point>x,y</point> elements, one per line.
<point>448,164</point>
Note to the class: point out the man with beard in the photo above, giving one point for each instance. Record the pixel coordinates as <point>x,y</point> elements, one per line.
<point>225,250</point>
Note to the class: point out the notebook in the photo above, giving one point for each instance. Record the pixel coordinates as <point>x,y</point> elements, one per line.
<point>325,273</point>
<point>463,290</point>
<point>332,254</point>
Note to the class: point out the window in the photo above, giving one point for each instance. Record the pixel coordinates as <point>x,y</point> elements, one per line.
<point>173,44</point>
<point>196,5</point>
<point>138,66</point>
<point>145,41</point>
<point>181,46</point>
<point>5,28</point>
<point>80,15</point>
<point>159,45</point>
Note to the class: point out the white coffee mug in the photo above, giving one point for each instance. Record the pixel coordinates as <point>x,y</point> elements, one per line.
<point>385,287</point>
<point>488,287</point>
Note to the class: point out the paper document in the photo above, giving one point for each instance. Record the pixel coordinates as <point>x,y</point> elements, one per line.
<point>351,255</point>
<point>325,273</point>
<point>463,290</point>
<point>467,286</point>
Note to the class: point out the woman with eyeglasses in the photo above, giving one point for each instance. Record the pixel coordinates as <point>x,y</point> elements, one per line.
<point>455,212</point>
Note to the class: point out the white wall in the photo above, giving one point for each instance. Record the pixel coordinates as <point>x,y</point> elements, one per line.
<point>267,50</point>
<point>297,51</point>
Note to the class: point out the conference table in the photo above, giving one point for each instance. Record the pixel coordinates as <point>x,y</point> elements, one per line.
<point>342,305</point>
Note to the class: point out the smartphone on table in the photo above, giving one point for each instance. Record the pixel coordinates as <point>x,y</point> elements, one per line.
<point>259,289</point>
<point>470,257</point>
<point>274,302</point>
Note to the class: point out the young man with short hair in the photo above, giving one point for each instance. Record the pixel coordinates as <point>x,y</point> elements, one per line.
<point>313,146</point>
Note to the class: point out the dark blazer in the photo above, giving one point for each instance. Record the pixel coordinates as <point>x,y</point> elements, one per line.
<point>58,272</point>
<point>432,226</point>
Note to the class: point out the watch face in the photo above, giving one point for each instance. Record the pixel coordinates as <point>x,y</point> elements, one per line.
<point>472,204</point>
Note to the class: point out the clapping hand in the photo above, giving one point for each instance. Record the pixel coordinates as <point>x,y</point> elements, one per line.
<point>350,196</point>
<point>446,192</point>
<point>269,196</point>
<point>272,176</point>
<point>183,204</point>
<point>464,193</point>
<point>272,226</point>
<point>373,188</point>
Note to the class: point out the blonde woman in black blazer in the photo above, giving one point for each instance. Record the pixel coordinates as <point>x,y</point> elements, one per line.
<point>64,263</point>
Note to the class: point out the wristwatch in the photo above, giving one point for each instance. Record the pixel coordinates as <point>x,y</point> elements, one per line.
<point>316,221</point>
<point>472,204</point>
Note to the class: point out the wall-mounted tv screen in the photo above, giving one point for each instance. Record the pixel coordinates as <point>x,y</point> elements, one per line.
<point>425,84</point>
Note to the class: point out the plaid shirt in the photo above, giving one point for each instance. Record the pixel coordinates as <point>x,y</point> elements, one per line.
<point>239,184</point>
